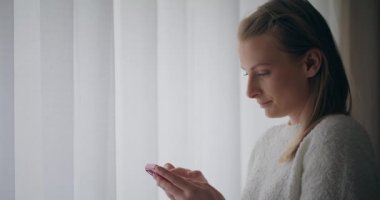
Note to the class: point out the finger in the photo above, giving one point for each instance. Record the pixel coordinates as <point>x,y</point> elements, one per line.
<point>170,189</point>
<point>197,175</point>
<point>181,172</point>
<point>189,174</point>
<point>171,197</point>
<point>169,166</point>
<point>174,179</point>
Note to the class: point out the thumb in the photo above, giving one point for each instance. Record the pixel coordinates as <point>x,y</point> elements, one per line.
<point>168,166</point>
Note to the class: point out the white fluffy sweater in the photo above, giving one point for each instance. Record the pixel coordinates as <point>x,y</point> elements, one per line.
<point>335,161</point>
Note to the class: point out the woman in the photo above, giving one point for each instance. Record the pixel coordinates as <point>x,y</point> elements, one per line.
<point>294,69</point>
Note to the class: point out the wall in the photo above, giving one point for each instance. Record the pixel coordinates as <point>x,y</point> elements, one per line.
<point>361,47</point>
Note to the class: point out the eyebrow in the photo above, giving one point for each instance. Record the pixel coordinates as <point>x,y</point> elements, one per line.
<point>258,64</point>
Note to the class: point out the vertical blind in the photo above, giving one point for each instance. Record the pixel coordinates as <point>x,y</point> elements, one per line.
<point>92,90</point>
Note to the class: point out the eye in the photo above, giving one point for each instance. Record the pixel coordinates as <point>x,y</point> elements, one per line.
<point>262,73</point>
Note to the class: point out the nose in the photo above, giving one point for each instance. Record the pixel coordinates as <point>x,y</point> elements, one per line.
<point>253,89</point>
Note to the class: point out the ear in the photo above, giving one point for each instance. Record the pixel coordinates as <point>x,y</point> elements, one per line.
<point>312,62</point>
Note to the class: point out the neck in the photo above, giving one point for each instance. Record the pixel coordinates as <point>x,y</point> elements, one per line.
<point>301,116</point>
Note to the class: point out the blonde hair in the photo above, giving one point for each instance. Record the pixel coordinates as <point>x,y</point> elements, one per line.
<point>298,27</point>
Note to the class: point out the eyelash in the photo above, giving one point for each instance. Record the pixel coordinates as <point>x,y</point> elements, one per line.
<point>262,74</point>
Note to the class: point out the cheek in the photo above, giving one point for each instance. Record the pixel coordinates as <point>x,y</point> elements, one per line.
<point>278,84</point>
<point>285,87</point>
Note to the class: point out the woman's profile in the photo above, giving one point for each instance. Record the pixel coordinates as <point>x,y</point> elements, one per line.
<point>293,69</point>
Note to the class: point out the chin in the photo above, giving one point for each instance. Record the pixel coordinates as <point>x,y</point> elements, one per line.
<point>274,114</point>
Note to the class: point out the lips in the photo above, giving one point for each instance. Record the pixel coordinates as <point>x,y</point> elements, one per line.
<point>265,103</point>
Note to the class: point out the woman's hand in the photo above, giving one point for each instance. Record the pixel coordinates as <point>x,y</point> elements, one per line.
<point>184,184</point>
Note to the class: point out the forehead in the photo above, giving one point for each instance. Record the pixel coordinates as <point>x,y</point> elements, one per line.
<point>259,44</point>
<point>262,48</point>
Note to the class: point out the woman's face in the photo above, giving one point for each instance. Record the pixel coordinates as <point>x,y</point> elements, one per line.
<point>276,80</point>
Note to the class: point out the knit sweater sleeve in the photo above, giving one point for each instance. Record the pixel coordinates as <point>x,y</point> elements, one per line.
<point>339,164</point>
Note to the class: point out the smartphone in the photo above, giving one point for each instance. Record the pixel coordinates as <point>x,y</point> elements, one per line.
<point>150,168</point>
